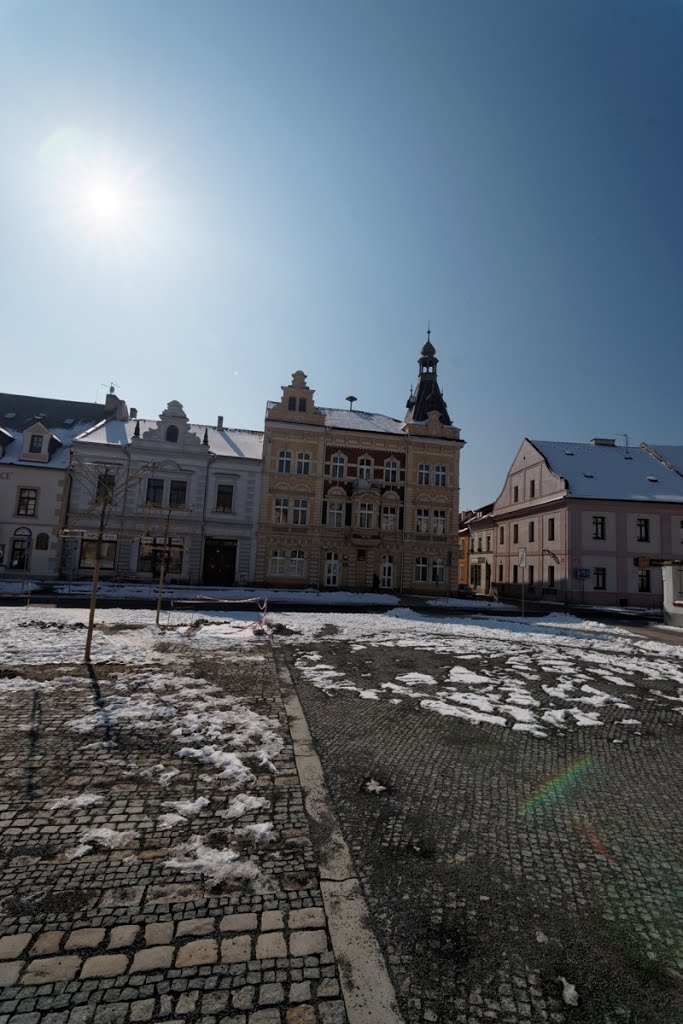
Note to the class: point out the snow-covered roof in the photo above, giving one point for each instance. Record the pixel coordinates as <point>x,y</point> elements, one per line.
<point>611,472</point>
<point>672,454</point>
<point>63,419</point>
<point>355,419</point>
<point>227,441</point>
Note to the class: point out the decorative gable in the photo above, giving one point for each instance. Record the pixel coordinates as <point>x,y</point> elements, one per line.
<point>297,403</point>
<point>172,428</point>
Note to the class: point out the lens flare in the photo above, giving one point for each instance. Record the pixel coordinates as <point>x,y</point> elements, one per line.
<point>557,785</point>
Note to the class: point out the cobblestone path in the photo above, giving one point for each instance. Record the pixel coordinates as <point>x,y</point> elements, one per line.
<point>501,868</point>
<point>114,909</point>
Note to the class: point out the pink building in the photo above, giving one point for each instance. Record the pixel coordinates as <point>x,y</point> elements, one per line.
<point>585,523</point>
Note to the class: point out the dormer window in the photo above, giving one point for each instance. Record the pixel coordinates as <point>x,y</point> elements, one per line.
<point>36,443</point>
<point>172,433</point>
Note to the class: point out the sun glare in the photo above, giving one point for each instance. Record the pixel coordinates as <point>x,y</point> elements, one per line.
<point>105,204</point>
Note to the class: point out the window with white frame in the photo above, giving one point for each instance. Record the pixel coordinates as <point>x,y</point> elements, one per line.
<point>367,512</point>
<point>281,510</point>
<point>389,517</point>
<point>422,520</point>
<point>299,511</point>
<point>438,570</point>
<point>27,501</point>
<point>440,476</point>
<point>365,468</point>
<point>421,570</point>
<point>439,522</point>
<point>303,463</point>
<point>335,514</point>
<point>338,467</point>
<point>391,471</point>
<point>297,563</point>
<point>284,462</point>
<point>423,471</point>
<point>278,562</point>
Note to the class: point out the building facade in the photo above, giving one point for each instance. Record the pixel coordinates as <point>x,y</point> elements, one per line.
<point>583,524</point>
<point>164,490</point>
<point>358,500</point>
<point>36,437</point>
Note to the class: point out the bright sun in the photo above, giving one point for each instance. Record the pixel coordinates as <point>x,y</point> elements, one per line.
<point>105,205</point>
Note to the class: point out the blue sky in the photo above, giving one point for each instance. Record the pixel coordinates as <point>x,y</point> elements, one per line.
<point>306,184</point>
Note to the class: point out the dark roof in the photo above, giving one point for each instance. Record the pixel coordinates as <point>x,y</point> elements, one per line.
<point>20,411</point>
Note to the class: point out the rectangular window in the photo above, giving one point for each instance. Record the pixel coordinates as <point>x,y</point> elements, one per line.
<point>551,575</point>
<point>302,405</point>
<point>598,527</point>
<point>532,488</point>
<point>551,529</point>
<point>440,476</point>
<point>291,404</point>
<point>366,515</point>
<point>365,469</point>
<point>500,573</point>
<point>105,488</point>
<point>300,511</point>
<point>36,443</point>
<point>224,496</point>
<point>423,473</point>
<point>501,535</point>
<point>89,553</point>
<point>515,493</point>
<point>421,566</point>
<point>151,555</point>
<point>338,467</point>
<point>390,472</point>
<point>177,493</point>
<point>27,501</point>
<point>515,534</point>
<point>599,579</point>
<point>488,541</point>
<point>335,514</point>
<point>284,462</point>
<point>438,570</point>
<point>278,563</point>
<point>422,520</point>
<point>643,526</point>
<point>303,463</point>
<point>515,573</point>
<point>532,531</point>
<point>530,575</point>
<point>439,521</point>
<point>643,581</point>
<point>155,491</point>
<point>388,517</point>
<point>281,512</point>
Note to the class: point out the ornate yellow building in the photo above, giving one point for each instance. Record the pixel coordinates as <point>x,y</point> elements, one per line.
<point>357,500</point>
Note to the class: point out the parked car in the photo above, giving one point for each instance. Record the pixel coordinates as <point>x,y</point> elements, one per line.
<point>465,591</point>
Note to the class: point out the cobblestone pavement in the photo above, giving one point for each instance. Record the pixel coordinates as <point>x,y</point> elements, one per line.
<point>502,867</point>
<point>135,886</point>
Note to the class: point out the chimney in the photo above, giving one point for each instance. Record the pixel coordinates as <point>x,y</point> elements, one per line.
<point>219,423</point>
<point>607,442</point>
<point>111,402</point>
<point>133,413</point>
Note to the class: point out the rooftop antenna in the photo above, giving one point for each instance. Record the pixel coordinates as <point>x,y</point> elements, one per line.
<point>627,454</point>
<point>350,399</point>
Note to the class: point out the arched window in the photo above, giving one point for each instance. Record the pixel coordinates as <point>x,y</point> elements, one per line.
<point>21,548</point>
<point>277,563</point>
<point>172,433</point>
<point>284,462</point>
<point>297,563</point>
<point>42,542</point>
